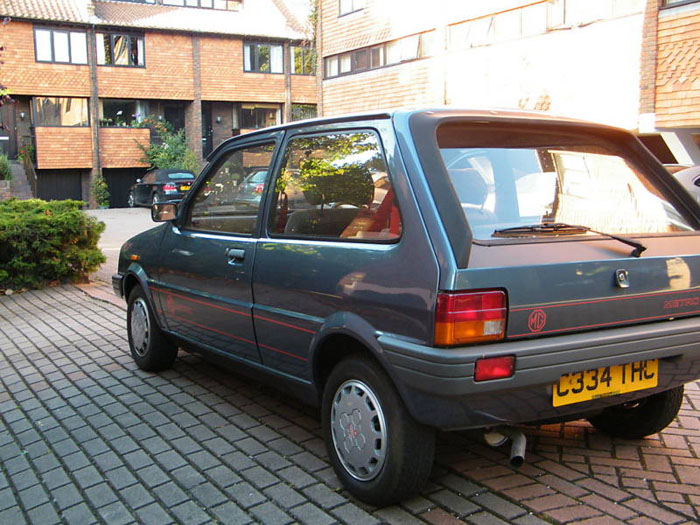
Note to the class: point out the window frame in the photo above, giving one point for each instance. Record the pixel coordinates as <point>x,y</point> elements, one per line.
<point>35,113</point>
<point>381,49</point>
<point>271,215</point>
<point>357,5</point>
<point>307,55</point>
<point>67,31</point>
<point>185,215</point>
<point>112,34</point>
<point>671,4</point>
<point>254,58</point>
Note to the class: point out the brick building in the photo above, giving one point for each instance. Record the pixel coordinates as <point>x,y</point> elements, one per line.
<point>629,63</point>
<point>88,75</point>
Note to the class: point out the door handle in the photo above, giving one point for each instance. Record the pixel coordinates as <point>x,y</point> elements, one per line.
<point>235,254</point>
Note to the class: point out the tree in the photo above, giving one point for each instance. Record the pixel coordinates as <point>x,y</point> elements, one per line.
<point>171,152</point>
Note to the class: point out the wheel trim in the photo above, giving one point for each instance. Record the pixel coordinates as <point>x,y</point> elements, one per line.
<point>359,431</point>
<point>140,326</point>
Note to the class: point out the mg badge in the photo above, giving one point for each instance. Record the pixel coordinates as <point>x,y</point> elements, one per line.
<point>622,278</point>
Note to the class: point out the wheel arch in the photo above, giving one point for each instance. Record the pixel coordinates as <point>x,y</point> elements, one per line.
<point>136,276</point>
<point>344,335</point>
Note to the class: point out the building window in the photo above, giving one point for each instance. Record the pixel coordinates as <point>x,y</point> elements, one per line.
<point>257,116</point>
<point>350,6</point>
<point>303,111</point>
<point>122,113</point>
<point>303,60</point>
<point>394,52</point>
<point>262,58</point>
<point>57,111</point>
<point>61,46</point>
<point>115,49</point>
<point>224,5</point>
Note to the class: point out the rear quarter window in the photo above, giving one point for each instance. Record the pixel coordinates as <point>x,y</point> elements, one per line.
<point>335,186</point>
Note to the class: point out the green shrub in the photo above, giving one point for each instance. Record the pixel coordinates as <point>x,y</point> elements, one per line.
<point>43,242</point>
<point>5,171</point>
<point>100,191</point>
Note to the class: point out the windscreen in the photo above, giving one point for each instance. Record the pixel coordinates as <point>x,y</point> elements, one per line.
<point>180,176</point>
<point>519,178</point>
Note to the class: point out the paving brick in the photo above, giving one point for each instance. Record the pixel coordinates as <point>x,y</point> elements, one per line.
<point>245,494</point>
<point>189,512</point>
<point>309,513</point>
<point>454,503</point>
<point>269,513</point>
<point>498,505</point>
<point>284,496</point>
<point>648,509</point>
<point>44,514</point>
<point>153,514</point>
<point>351,513</point>
<point>170,494</point>
<point>485,518</point>
<point>136,496</point>
<point>208,495</point>
<point>230,513</point>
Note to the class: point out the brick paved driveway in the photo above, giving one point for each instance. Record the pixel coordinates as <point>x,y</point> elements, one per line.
<point>87,437</point>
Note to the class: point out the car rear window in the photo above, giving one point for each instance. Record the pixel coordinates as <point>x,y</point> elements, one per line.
<point>180,176</point>
<point>519,177</point>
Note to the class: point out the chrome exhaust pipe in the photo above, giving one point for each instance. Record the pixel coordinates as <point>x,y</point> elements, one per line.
<point>498,436</point>
<point>517,448</point>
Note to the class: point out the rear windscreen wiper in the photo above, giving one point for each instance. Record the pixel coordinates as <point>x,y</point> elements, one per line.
<point>561,228</point>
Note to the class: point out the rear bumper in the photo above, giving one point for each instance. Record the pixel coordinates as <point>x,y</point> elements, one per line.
<point>439,388</point>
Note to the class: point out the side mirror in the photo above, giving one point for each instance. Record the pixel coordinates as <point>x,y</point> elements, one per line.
<point>163,211</point>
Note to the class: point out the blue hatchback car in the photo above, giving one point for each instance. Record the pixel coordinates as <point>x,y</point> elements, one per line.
<point>443,269</point>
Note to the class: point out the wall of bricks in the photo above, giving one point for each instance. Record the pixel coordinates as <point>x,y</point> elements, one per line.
<point>223,77</point>
<point>24,76</point>
<point>63,147</point>
<point>678,68</point>
<point>167,75</point>
<point>304,89</point>
<point>391,87</point>
<point>584,71</point>
<point>647,73</point>
<point>119,147</point>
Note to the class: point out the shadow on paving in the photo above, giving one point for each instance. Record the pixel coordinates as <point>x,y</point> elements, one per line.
<point>87,437</point>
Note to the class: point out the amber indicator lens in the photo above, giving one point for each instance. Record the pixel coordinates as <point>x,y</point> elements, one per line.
<point>462,318</point>
<point>494,368</point>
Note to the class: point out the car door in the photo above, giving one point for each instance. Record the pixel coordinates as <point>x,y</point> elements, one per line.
<point>206,258</point>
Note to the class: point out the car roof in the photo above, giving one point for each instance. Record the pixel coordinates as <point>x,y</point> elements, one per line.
<point>479,114</point>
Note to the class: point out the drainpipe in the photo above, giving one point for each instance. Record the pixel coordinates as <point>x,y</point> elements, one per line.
<point>287,66</point>
<point>94,119</point>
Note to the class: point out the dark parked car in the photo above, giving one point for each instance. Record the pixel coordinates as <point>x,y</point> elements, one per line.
<point>160,186</point>
<point>690,180</point>
<point>443,269</point>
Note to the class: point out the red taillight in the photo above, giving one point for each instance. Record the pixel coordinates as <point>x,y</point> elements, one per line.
<point>494,368</point>
<point>258,188</point>
<point>472,317</point>
<point>169,187</point>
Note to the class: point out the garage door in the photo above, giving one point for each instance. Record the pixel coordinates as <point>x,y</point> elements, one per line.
<point>59,184</point>
<point>119,181</point>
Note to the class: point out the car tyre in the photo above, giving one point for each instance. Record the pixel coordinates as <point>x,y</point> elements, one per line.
<point>362,409</point>
<point>131,202</point>
<point>151,349</point>
<point>640,418</point>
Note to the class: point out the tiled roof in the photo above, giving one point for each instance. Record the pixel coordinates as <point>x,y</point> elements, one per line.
<point>258,18</point>
<point>57,10</point>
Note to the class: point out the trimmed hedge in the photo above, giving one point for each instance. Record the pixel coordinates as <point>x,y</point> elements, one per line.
<point>43,242</point>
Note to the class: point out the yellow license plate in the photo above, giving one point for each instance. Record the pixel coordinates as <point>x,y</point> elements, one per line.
<point>604,382</point>
<point>184,188</point>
